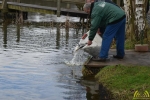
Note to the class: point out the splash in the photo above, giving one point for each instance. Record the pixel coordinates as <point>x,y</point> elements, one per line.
<point>78,59</point>
<point>83,51</point>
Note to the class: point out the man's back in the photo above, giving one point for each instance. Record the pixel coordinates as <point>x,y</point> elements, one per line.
<point>106,12</point>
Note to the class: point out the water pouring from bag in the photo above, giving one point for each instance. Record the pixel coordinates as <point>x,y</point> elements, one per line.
<point>82,47</point>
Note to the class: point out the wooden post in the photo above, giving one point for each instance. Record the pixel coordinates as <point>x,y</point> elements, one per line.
<point>58,8</point>
<point>118,2</point>
<point>68,6</point>
<point>18,1</point>
<point>4,5</point>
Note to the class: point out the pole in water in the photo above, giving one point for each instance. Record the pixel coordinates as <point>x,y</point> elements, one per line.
<point>58,8</point>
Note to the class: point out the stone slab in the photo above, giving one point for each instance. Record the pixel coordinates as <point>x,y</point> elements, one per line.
<point>131,58</point>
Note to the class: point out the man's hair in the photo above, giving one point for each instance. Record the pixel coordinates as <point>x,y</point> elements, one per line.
<point>87,6</point>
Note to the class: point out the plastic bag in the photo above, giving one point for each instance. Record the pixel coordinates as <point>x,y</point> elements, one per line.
<point>92,49</point>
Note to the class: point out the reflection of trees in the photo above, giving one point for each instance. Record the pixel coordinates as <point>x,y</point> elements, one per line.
<point>58,37</point>
<point>18,33</point>
<point>67,25</point>
<point>5,24</point>
<point>67,36</point>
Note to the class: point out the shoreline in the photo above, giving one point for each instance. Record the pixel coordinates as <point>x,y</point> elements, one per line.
<point>123,81</point>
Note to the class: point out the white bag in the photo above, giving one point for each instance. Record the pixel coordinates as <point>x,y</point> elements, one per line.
<point>92,49</point>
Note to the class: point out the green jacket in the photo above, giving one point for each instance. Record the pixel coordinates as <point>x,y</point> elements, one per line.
<point>103,13</point>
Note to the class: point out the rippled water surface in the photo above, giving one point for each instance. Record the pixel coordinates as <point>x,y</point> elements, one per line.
<point>32,64</point>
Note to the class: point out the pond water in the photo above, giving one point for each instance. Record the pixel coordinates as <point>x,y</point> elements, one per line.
<point>32,63</point>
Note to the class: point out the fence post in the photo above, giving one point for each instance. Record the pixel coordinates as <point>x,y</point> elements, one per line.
<point>118,3</point>
<point>68,6</point>
<point>58,8</point>
<point>4,6</point>
<point>18,1</point>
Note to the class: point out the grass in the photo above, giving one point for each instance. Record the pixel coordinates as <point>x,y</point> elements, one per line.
<point>123,81</point>
<point>129,44</point>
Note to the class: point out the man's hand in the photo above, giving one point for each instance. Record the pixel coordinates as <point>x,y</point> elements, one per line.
<point>98,31</point>
<point>89,42</point>
<point>84,36</point>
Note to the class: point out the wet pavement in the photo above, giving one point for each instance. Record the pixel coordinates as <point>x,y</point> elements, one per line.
<point>132,58</point>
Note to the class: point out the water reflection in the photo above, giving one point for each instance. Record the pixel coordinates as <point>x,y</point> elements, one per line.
<point>18,33</point>
<point>92,88</point>
<point>58,37</point>
<point>32,64</point>
<point>4,27</point>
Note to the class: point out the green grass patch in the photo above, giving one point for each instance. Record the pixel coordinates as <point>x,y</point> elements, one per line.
<point>123,81</point>
<point>129,44</point>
